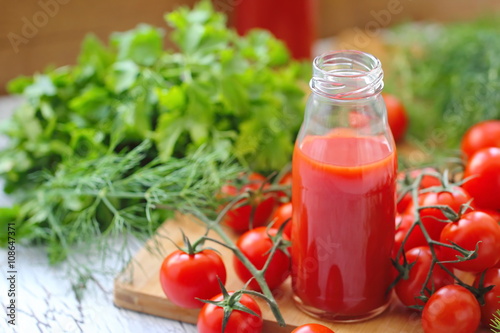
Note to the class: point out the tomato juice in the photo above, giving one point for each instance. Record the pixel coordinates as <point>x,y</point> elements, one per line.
<point>343,225</point>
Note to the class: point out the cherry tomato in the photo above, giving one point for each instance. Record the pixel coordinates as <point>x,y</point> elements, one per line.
<point>312,328</point>
<point>473,228</point>
<point>282,214</point>
<point>211,316</point>
<point>482,135</point>
<point>427,181</point>
<point>287,181</point>
<point>255,245</point>
<point>493,213</point>
<point>397,116</point>
<point>263,204</point>
<point>484,185</point>
<point>403,203</point>
<point>420,258</point>
<point>184,277</point>
<point>456,197</point>
<point>403,224</point>
<point>451,309</point>
<point>496,216</point>
<point>492,297</point>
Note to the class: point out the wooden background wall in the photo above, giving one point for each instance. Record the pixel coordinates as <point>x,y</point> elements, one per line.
<point>36,33</point>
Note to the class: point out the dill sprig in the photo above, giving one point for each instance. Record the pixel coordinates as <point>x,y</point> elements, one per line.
<point>118,194</point>
<point>495,322</point>
<point>447,77</point>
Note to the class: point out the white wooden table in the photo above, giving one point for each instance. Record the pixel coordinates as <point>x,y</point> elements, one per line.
<point>46,302</point>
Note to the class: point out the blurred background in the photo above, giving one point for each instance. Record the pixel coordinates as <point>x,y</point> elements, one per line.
<point>35,34</point>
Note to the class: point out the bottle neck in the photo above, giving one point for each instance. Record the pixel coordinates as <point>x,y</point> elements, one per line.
<point>347,75</point>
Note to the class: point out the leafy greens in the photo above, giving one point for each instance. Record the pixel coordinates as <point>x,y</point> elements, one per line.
<point>448,77</point>
<point>134,109</point>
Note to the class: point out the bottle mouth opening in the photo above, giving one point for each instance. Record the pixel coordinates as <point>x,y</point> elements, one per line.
<point>347,74</point>
<point>346,63</point>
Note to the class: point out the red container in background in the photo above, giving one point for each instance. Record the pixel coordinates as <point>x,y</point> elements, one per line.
<point>292,21</point>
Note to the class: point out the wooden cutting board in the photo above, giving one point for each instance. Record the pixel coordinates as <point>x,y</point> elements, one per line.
<point>138,288</point>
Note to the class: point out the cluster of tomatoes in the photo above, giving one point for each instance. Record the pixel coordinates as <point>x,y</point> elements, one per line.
<point>261,217</point>
<point>449,261</point>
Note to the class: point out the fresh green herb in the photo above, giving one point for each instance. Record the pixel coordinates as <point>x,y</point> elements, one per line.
<point>237,95</point>
<point>495,322</point>
<point>118,194</point>
<point>77,165</point>
<point>448,77</point>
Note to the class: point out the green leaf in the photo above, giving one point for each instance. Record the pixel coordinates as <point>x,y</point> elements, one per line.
<point>94,57</point>
<point>12,162</point>
<point>8,217</point>
<point>262,47</point>
<point>193,37</point>
<point>170,127</point>
<point>234,95</point>
<point>42,86</point>
<point>143,45</point>
<point>122,76</point>
<point>25,124</point>
<point>90,100</point>
<point>171,99</point>
<point>17,85</point>
<point>201,29</point>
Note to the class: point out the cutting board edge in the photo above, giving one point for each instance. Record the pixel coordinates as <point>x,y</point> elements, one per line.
<point>125,296</point>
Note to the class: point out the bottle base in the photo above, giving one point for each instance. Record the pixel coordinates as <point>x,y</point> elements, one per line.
<point>338,317</point>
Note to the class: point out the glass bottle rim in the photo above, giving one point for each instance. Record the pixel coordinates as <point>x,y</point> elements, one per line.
<point>375,64</point>
<point>347,74</point>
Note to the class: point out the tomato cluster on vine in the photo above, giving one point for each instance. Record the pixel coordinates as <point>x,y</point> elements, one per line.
<point>258,212</point>
<point>447,240</point>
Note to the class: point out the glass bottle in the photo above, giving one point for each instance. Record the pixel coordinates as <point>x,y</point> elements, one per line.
<point>344,190</point>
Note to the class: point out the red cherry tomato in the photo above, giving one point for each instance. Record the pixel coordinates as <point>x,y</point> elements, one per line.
<point>312,328</point>
<point>482,135</point>
<point>492,297</point>
<point>493,213</point>
<point>451,309</point>
<point>255,245</point>
<point>185,277</point>
<point>496,216</point>
<point>456,197</point>
<point>484,185</point>
<point>474,228</point>
<point>397,116</point>
<point>403,203</point>
<point>263,204</point>
<point>409,289</point>
<point>403,224</point>
<point>285,180</point>
<point>282,214</point>
<point>427,181</point>
<point>211,316</point>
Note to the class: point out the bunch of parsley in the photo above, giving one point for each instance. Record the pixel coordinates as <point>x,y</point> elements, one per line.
<point>237,97</point>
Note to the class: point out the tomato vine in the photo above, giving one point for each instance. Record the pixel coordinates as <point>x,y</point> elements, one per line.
<point>415,189</point>
<point>279,242</point>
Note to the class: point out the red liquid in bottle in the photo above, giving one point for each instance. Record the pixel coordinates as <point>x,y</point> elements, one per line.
<point>343,225</point>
